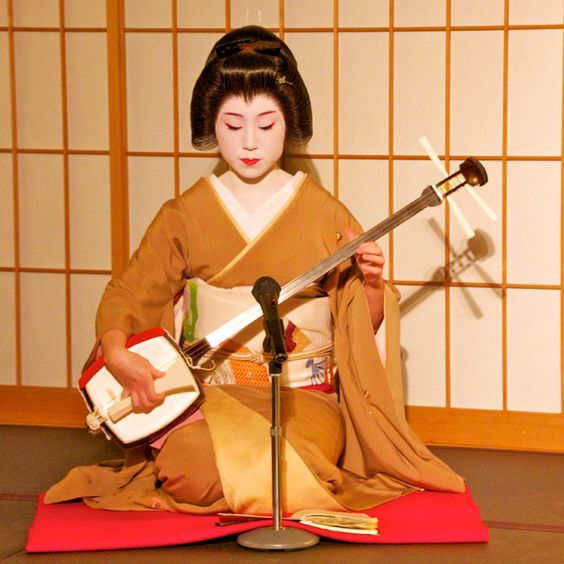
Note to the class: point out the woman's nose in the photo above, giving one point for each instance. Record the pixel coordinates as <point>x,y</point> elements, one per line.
<point>250,142</point>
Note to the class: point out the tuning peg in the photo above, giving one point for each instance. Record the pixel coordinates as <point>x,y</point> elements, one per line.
<point>440,166</point>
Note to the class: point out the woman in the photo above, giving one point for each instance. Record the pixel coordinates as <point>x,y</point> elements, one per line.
<point>350,448</point>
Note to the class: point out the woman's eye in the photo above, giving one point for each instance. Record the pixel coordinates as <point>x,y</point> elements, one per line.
<point>233,127</point>
<point>267,127</point>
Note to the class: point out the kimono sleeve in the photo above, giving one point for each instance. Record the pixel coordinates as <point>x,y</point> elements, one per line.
<point>137,299</point>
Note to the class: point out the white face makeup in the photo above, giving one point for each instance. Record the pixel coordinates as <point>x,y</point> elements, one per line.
<point>250,135</point>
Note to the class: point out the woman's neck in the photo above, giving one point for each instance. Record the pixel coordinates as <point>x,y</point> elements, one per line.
<point>253,195</point>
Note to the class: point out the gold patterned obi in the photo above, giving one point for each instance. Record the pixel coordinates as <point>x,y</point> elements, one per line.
<point>308,334</point>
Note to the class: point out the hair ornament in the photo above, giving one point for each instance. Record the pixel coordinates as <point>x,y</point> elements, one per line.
<point>251,46</point>
<point>281,79</point>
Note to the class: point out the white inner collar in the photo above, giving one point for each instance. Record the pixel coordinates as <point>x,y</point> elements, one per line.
<point>253,223</point>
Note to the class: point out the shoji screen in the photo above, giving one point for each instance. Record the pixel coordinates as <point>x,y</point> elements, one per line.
<point>55,254</point>
<point>482,315</point>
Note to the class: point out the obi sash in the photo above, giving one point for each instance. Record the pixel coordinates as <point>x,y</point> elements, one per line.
<point>308,334</point>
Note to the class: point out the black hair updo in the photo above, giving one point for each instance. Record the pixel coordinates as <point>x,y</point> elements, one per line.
<point>245,62</point>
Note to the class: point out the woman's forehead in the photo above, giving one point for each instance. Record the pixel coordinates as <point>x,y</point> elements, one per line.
<point>260,104</point>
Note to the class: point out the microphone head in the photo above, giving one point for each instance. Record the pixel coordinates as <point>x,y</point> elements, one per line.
<point>265,285</point>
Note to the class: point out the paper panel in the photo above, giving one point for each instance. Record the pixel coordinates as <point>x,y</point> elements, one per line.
<point>537,12</point>
<point>534,348</point>
<point>149,92</point>
<point>6,211</point>
<point>8,375</point>
<point>201,13</point>
<point>535,92</point>
<point>363,188</point>
<point>476,379</point>
<point>3,13</point>
<point>36,13</point>
<point>193,50</point>
<point>193,168</point>
<point>313,13</point>
<point>90,214</point>
<point>423,345</point>
<point>479,258</point>
<point>314,53</point>
<point>322,170</point>
<point>255,12</point>
<point>5,94</point>
<point>85,13</point>
<point>418,249</point>
<point>363,93</point>
<point>419,99</point>
<point>477,12</point>
<point>418,13</point>
<point>43,330</point>
<point>148,13</point>
<point>477,93</point>
<point>86,291</point>
<point>87,79</point>
<point>151,184</point>
<point>42,212</point>
<point>359,13</point>
<point>533,222</point>
<point>38,90</point>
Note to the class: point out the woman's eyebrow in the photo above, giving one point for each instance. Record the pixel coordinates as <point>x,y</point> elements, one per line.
<point>241,115</point>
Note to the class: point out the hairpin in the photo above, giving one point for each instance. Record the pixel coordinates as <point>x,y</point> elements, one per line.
<point>281,79</point>
<point>247,45</point>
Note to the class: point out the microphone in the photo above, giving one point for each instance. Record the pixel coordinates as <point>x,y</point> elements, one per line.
<point>266,291</point>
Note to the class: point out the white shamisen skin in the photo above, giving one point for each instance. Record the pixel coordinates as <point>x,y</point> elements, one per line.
<point>250,135</point>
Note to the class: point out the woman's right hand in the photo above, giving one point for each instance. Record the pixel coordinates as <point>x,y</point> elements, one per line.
<point>134,372</point>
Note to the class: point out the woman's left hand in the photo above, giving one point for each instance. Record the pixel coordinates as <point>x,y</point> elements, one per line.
<point>370,259</point>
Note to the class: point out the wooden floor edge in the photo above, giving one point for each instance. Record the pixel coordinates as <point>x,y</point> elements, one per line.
<point>41,406</point>
<point>474,428</point>
<point>471,428</point>
<point>536,527</point>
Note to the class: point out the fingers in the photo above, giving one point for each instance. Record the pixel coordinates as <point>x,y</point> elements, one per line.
<point>142,398</point>
<point>156,374</point>
<point>137,375</point>
<point>369,257</point>
<point>145,397</point>
<point>155,397</point>
<point>369,251</point>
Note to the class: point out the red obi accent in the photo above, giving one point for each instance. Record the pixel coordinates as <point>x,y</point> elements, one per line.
<point>326,388</point>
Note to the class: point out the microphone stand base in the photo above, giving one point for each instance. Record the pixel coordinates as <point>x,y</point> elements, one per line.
<point>269,538</point>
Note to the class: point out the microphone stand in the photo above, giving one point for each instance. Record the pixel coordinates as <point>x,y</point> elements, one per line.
<point>276,537</point>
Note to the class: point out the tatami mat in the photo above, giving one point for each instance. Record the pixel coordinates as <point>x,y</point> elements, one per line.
<point>520,495</point>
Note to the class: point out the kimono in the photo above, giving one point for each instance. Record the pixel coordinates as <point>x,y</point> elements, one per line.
<point>353,452</point>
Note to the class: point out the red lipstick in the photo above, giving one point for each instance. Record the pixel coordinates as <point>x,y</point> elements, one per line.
<point>250,162</point>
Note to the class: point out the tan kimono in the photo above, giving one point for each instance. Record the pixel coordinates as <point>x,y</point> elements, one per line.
<point>369,454</point>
